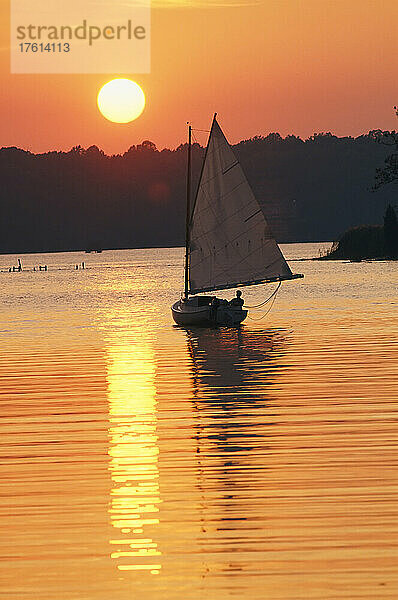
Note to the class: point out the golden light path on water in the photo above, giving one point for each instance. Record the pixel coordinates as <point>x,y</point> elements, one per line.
<point>133,451</point>
<point>141,460</point>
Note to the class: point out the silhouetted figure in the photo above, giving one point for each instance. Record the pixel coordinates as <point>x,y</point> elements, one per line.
<point>215,303</point>
<point>238,300</point>
<point>19,265</point>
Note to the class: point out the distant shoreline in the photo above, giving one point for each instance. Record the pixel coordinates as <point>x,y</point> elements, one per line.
<point>143,247</point>
<point>367,242</point>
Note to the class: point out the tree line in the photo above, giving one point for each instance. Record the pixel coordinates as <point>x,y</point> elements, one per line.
<point>310,190</point>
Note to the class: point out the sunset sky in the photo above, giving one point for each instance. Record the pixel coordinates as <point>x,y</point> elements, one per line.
<point>293,66</point>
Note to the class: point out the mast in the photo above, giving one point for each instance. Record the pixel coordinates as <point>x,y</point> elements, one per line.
<point>188,216</point>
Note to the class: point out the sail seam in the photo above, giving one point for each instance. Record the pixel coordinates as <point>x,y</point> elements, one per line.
<point>217,222</point>
<point>231,167</point>
<point>241,209</point>
<point>227,270</point>
<point>253,215</point>
<point>210,153</point>
<point>224,195</point>
<point>231,241</point>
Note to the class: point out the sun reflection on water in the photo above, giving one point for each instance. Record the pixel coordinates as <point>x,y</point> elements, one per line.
<point>133,451</point>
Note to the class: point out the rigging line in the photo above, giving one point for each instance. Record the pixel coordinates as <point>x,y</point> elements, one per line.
<point>268,299</point>
<point>195,139</point>
<point>265,314</point>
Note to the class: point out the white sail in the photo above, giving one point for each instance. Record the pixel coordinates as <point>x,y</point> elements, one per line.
<point>230,241</point>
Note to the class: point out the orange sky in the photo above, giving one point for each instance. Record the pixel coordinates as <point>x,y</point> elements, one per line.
<point>293,66</point>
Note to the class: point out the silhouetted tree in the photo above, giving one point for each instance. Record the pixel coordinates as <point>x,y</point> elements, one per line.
<point>388,173</point>
<point>391,233</point>
<point>358,243</point>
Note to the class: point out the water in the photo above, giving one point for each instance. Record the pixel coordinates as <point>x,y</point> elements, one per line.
<point>142,460</point>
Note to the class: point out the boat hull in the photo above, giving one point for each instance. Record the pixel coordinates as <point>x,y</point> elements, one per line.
<point>204,316</point>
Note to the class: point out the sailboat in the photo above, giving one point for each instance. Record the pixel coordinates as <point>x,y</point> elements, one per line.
<point>228,242</point>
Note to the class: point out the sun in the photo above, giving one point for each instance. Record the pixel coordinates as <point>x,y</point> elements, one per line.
<point>121,100</point>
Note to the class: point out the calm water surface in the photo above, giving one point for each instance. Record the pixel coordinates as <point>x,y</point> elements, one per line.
<point>140,460</point>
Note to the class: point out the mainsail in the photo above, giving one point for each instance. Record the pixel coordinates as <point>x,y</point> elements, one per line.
<point>230,241</point>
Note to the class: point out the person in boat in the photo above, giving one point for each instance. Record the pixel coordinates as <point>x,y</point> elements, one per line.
<point>215,303</point>
<point>238,300</point>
